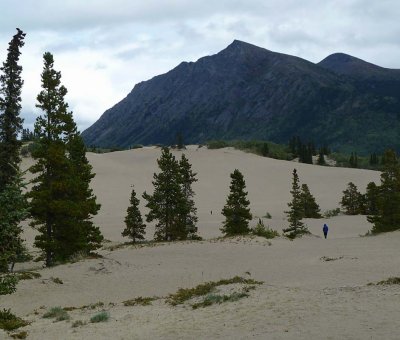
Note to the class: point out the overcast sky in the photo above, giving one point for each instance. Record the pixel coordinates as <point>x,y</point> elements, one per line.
<point>104,47</point>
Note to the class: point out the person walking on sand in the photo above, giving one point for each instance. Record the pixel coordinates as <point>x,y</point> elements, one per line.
<point>325,230</point>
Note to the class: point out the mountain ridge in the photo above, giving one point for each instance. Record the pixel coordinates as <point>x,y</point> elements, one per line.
<point>248,92</point>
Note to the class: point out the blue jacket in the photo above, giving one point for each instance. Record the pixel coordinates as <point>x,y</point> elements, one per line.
<point>325,228</point>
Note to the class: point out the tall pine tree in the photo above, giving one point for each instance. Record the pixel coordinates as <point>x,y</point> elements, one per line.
<point>236,210</point>
<point>310,207</point>
<point>61,201</point>
<point>352,200</point>
<point>167,203</point>
<point>13,205</point>
<point>188,216</point>
<point>135,228</point>
<point>387,217</point>
<point>10,107</point>
<point>295,214</point>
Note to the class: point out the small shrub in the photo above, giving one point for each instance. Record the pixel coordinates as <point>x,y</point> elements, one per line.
<point>95,305</point>
<point>261,230</point>
<point>20,335</point>
<point>100,317</point>
<point>142,301</point>
<point>78,323</point>
<point>8,284</point>
<point>331,213</point>
<point>56,280</point>
<point>57,313</point>
<point>9,321</point>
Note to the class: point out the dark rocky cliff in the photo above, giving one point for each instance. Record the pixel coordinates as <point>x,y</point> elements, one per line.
<point>247,92</point>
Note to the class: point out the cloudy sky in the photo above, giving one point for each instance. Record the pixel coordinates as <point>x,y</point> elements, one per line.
<point>104,47</point>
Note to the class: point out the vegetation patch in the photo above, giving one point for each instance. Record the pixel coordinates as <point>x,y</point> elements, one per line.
<point>8,284</point>
<point>9,321</point>
<point>331,213</point>
<point>20,335</point>
<point>100,317</point>
<point>261,230</point>
<point>57,280</point>
<point>327,258</point>
<point>57,313</point>
<point>390,281</point>
<point>27,275</point>
<point>211,299</point>
<point>78,323</point>
<point>184,294</point>
<point>142,301</point>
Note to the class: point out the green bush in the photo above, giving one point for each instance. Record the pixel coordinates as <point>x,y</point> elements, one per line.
<point>331,213</point>
<point>261,230</point>
<point>8,284</point>
<point>100,317</point>
<point>57,313</point>
<point>9,321</point>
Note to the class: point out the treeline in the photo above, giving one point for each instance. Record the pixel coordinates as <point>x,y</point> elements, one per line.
<point>380,202</point>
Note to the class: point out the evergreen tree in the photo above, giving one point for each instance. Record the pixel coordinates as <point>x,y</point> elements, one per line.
<point>167,204</point>
<point>188,215</point>
<point>13,210</point>
<point>352,200</point>
<point>135,228</point>
<point>10,107</point>
<point>236,210</point>
<point>295,214</point>
<point>321,158</point>
<point>371,199</point>
<point>388,205</point>
<point>179,141</point>
<point>61,201</point>
<point>310,207</point>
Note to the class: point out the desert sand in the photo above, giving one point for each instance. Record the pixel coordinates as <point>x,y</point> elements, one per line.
<point>303,296</point>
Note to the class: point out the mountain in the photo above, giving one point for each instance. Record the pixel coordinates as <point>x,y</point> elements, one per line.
<point>247,92</point>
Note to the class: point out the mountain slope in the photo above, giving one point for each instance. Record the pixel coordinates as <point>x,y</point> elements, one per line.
<point>247,92</point>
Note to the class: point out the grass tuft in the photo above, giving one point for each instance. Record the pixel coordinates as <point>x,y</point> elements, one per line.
<point>211,299</point>
<point>100,317</point>
<point>57,313</point>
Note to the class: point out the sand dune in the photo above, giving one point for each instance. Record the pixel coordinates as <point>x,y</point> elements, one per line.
<point>304,296</point>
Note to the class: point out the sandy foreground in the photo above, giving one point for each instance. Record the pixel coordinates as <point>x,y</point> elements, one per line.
<point>303,295</point>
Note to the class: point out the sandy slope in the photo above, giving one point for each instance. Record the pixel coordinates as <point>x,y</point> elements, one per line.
<point>303,297</point>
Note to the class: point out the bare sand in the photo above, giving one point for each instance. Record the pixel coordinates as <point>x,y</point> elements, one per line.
<point>313,288</point>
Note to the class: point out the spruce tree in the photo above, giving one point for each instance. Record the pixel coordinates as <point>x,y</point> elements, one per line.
<point>10,107</point>
<point>387,217</point>
<point>135,228</point>
<point>13,210</point>
<point>371,199</point>
<point>352,200</point>
<point>167,203</point>
<point>236,210</point>
<point>188,215</point>
<point>295,214</point>
<point>61,201</point>
<point>321,158</point>
<point>310,207</point>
